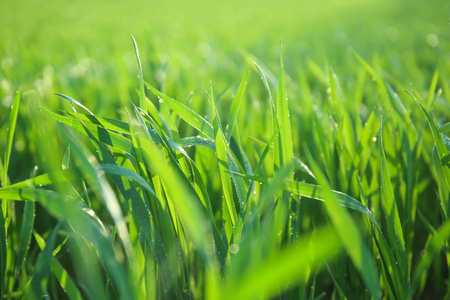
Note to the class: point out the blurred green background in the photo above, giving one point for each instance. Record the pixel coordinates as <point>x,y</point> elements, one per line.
<point>70,46</point>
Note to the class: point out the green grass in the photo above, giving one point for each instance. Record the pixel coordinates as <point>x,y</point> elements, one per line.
<point>219,165</point>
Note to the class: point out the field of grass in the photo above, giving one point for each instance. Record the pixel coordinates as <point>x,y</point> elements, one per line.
<point>224,149</point>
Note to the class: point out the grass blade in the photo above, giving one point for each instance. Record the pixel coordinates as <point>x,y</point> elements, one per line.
<point>9,140</point>
<point>191,117</point>
<point>285,143</point>
<point>235,106</point>
<point>142,101</point>
<point>4,209</point>
<point>222,160</point>
<point>349,234</point>
<point>443,154</point>
<point>25,233</point>
<point>437,242</point>
<point>73,101</point>
<point>319,193</point>
<point>393,223</point>
<point>42,269</point>
<point>265,279</point>
<point>60,273</point>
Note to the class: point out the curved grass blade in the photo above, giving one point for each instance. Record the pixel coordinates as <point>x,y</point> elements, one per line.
<point>125,172</point>
<point>235,106</point>
<point>142,102</point>
<point>275,121</point>
<point>108,123</point>
<point>191,117</point>
<point>197,141</point>
<point>45,179</point>
<point>443,153</point>
<point>73,101</point>
<point>317,192</point>
<point>105,136</point>
<point>302,166</point>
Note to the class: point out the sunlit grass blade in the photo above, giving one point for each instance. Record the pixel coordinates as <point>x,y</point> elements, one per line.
<point>4,208</point>
<point>187,205</point>
<point>302,166</point>
<point>319,193</point>
<point>108,123</point>
<point>187,114</point>
<point>342,110</point>
<point>44,179</point>
<point>142,101</point>
<point>197,141</point>
<point>113,169</point>
<point>286,145</point>
<point>73,101</point>
<point>112,139</point>
<point>9,140</point>
<point>275,121</point>
<point>432,89</point>
<point>222,160</point>
<point>385,89</point>
<point>238,97</point>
